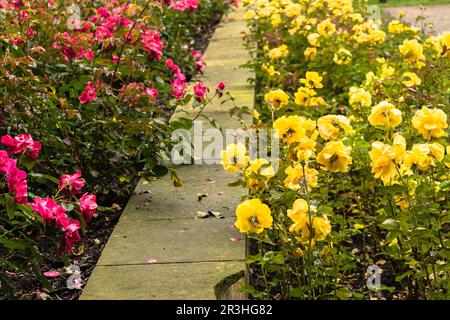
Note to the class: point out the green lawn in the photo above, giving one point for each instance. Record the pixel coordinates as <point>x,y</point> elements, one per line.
<point>398,3</point>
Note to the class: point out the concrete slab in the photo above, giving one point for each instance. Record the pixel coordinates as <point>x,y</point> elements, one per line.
<point>181,240</point>
<point>178,281</point>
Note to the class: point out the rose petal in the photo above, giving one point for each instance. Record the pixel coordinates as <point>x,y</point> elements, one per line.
<point>235,239</point>
<point>52,274</point>
<point>151,261</point>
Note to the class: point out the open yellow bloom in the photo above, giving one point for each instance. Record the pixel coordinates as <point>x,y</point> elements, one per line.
<point>253,216</point>
<point>307,97</point>
<point>361,96</point>
<point>260,167</point>
<point>303,216</point>
<point>385,157</point>
<point>335,157</point>
<point>276,98</point>
<point>312,80</point>
<point>424,155</point>
<point>299,215</point>
<point>430,122</point>
<point>412,52</point>
<point>278,52</point>
<point>410,79</point>
<point>313,39</point>
<point>234,157</point>
<point>292,128</point>
<point>342,56</point>
<point>270,70</point>
<point>326,28</point>
<point>294,179</point>
<point>310,53</point>
<point>385,114</point>
<point>305,148</point>
<point>330,125</point>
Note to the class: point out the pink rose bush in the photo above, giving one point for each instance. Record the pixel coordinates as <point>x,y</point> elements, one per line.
<point>50,210</point>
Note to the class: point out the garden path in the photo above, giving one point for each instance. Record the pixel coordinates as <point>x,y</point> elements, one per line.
<point>438,15</point>
<point>159,249</point>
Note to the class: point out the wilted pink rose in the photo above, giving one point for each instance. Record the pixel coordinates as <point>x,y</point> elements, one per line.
<point>200,91</point>
<point>73,183</point>
<point>88,206</point>
<point>20,143</point>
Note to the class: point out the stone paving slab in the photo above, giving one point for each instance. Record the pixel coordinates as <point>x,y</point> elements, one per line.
<point>169,241</point>
<point>188,281</point>
<point>438,15</point>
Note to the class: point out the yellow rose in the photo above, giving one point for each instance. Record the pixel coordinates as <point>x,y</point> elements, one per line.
<point>410,79</point>
<point>310,53</point>
<point>312,80</point>
<point>335,157</point>
<point>326,28</point>
<point>295,180</point>
<point>412,52</point>
<point>384,158</point>
<point>385,114</point>
<point>329,126</point>
<point>276,98</point>
<point>430,122</point>
<point>234,157</point>
<point>361,96</point>
<point>253,216</point>
<point>425,155</point>
<point>292,128</point>
<point>342,56</point>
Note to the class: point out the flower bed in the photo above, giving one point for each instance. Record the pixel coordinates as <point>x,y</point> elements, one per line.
<point>86,94</point>
<point>358,208</point>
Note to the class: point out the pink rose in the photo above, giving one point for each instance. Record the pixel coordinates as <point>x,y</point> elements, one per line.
<point>20,143</point>
<point>88,206</point>
<point>49,210</point>
<point>72,182</point>
<point>200,91</point>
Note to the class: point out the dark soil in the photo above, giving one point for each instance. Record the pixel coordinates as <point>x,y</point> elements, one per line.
<point>88,250</point>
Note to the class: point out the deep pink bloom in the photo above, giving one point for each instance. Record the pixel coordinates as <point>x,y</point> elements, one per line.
<point>183,5</point>
<point>152,44</point>
<point>90,93</point>
<point>4,161</point>
<point>172,66</point>
<point>72,236</point>
<point>88,206</point>
<point>89,54</point>
<point>199,60</point>
<point>20,143</point>
<point>200,91</point>
<point>48,209</point>
<point>219,89</point>
<point>103,12</point>
<point>17,182</point>
<point>72,182</point>
<point>151,92</point>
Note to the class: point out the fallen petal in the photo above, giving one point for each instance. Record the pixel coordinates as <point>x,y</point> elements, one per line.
<point>52,274</point>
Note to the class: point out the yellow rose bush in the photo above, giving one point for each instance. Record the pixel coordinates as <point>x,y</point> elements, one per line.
<point>360,108</point>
